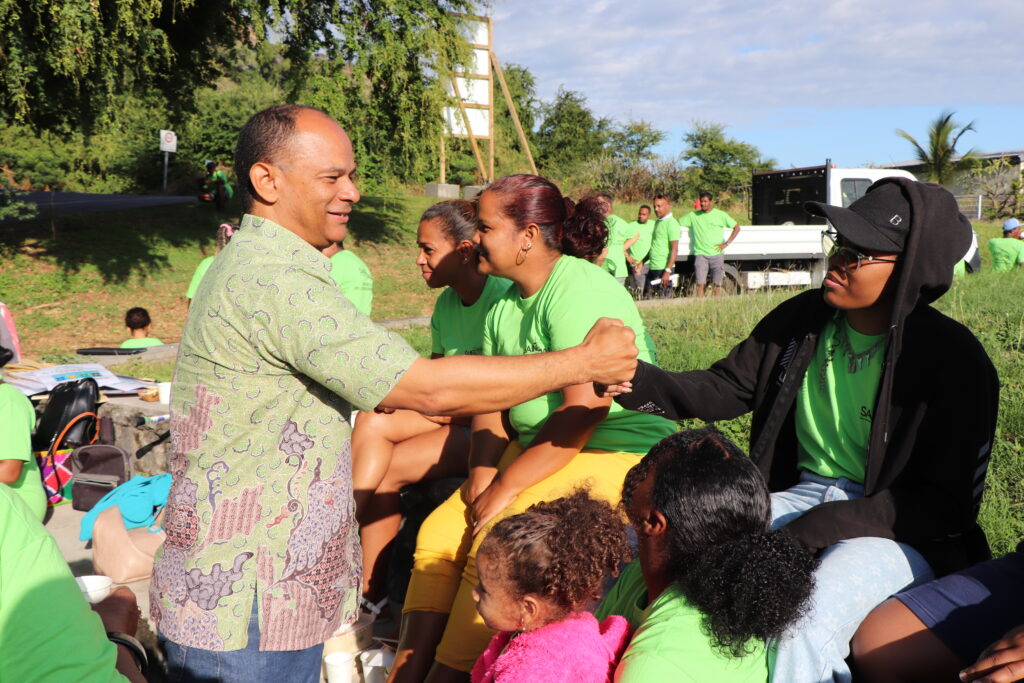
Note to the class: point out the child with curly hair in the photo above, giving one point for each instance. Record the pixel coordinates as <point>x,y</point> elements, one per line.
<point>537,571</point>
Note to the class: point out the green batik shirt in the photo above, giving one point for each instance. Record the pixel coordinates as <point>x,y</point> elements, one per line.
<point>261,508</point>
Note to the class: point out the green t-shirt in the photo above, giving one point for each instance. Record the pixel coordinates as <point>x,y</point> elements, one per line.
<point>17,420</point>
<point>1007,252</point>
<point>618,232</point>
<point>47,630</point>
<point>670,643</point>
<point>354,279</point>
<point>627,597</point>
<point>960,269</point>
<point>666,230</point>
<point>143,343</point>
<point>642,247</point>
<point>707,230</point>
<point>558,317</point>
<point>835,406</point>
<point>220,175</point>
<point>197,277</point>
<point>457,329</point>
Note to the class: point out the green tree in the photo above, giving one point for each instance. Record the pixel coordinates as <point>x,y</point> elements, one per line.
<point>718,162</point>
<point>569,134</point>
<point>66,61</point>
<point>633,142</point>
<point>940,161</point>
<point>86,72</point>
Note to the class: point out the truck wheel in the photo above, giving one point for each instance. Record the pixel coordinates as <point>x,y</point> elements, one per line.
<point>732,282</point>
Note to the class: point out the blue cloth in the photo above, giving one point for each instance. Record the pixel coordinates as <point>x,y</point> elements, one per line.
<point>139,500</point>
<point>855,575</point>
<point>973,608</point>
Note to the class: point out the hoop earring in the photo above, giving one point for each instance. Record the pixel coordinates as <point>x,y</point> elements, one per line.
<point>524,251</point>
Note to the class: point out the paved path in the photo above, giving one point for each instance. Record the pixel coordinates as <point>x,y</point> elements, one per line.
<point>64,525</point>
<point>68,203</point>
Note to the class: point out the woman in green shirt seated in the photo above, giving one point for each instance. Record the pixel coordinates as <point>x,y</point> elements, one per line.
<point>539,450</point>
<point>18,466</point>
<point>393,448</point>
<point>712,583</point>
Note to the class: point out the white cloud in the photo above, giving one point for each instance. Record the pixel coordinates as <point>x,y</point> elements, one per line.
<point>743,63</point>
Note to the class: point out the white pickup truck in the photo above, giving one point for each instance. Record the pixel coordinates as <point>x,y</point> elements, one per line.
<point>783,246</point>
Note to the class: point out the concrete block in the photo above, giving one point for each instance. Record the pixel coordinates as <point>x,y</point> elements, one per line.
<point>469,192</point>
<point>442,190</point>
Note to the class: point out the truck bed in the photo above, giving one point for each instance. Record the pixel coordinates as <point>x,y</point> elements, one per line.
<point>760,242</point>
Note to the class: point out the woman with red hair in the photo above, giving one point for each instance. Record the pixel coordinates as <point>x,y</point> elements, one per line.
<point>539,450</point>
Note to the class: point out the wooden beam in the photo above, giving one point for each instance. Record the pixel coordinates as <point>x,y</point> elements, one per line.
<point>444,162</point>
<point>469,129</point>
<point>490,93</point>
<point>512,110</point>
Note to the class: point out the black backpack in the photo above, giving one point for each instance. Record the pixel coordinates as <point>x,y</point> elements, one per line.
<point>67,401</point>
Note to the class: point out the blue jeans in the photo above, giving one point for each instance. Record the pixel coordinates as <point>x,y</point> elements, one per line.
<point>246,665</point>
<point>855,576</point>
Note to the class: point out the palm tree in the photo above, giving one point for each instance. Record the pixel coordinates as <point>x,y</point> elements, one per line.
<point>940,159</point>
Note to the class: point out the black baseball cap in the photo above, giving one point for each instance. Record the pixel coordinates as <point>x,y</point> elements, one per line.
<point>879,220</point>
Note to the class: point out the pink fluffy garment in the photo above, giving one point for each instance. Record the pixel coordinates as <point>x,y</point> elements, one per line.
<point>576,649</point>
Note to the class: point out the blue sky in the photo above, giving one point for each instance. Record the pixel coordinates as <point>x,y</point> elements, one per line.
<point>803,80</point>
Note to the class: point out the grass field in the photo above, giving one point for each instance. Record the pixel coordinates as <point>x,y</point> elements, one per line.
<point>69,283</point>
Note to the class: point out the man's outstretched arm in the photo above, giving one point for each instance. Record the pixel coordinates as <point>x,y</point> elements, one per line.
<point>467,385</point>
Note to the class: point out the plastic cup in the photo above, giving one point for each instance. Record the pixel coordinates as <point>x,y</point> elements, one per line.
<point>376,664</point>
<point>164,392</point>
<point>340,667</point>
<point>94,587</point>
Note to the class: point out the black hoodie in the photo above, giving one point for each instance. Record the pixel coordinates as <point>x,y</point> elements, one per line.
<point>934,417</point>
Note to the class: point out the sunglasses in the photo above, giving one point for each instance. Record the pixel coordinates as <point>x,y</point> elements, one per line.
<point>847,258</point>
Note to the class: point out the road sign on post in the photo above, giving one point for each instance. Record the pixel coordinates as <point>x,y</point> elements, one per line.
<point>168,145</point>
<point>168,141</point>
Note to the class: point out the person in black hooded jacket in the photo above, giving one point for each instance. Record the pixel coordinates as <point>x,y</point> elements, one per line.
<point>873,414</point>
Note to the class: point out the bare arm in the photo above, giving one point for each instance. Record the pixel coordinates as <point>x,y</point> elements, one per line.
<point>10,471</point>
<point>120,612</point>
<point>563,435</point>
<point>490,438</point>
<point>599,261</point>
<point>673,249</point>
<point>735,232</point>
<point>470,385</point>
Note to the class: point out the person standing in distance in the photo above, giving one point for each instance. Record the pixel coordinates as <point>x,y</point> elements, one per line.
<point>664,244</point>
<point>262,562</point>
<point>636,255</point>
<point>621,237</point>
<point>706,229</point>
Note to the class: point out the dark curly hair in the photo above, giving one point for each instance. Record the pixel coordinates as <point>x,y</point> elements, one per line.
<point>747,581</point>
<point>573,229</point>
<point>560,550</point>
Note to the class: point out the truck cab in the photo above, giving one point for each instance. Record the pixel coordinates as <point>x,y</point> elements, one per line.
<point>783,246</point>
<point>778,197</point>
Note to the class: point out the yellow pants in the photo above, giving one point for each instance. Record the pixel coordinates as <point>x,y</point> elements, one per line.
<point>444,567</point>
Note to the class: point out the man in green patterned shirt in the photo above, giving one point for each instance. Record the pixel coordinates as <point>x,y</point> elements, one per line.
<point>262,560</point>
